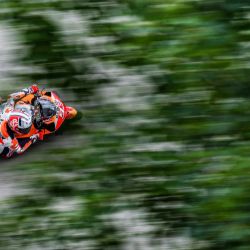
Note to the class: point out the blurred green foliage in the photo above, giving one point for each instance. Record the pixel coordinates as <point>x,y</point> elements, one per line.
<point>164,91</point>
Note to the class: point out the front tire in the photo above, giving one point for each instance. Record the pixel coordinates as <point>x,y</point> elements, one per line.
<point>71,113</point>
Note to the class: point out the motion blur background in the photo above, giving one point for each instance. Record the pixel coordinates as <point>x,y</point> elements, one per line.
<point>160,157</point>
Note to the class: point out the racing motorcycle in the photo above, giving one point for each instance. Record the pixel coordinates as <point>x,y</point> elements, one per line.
<point>56,113</point>
<point>59,110</point>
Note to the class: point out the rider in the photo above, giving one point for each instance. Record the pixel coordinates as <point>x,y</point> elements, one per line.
<point>45,112</point>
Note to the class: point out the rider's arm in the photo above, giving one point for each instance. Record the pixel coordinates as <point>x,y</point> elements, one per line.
<point>33,89</point>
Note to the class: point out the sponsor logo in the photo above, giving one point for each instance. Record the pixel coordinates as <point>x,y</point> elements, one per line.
<point>60,108</point>
<point>14,123</point>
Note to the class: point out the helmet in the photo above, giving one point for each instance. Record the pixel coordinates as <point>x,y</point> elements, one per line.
<point>22,106</point>
<point>48,109</point>
<point>20,122</point>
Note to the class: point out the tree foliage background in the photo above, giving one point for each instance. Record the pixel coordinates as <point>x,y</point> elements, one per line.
<point>160,157</point>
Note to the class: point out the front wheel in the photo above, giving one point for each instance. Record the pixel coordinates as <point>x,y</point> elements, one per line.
<point>70,113</point>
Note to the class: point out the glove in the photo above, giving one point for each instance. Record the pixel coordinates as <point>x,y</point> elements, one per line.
<point>7,142</point>
<point>33,89</point>
<point>16,147</point>
<point>34,138</point>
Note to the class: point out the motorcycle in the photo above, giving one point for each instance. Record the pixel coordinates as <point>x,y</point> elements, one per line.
<point>63,112</point>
